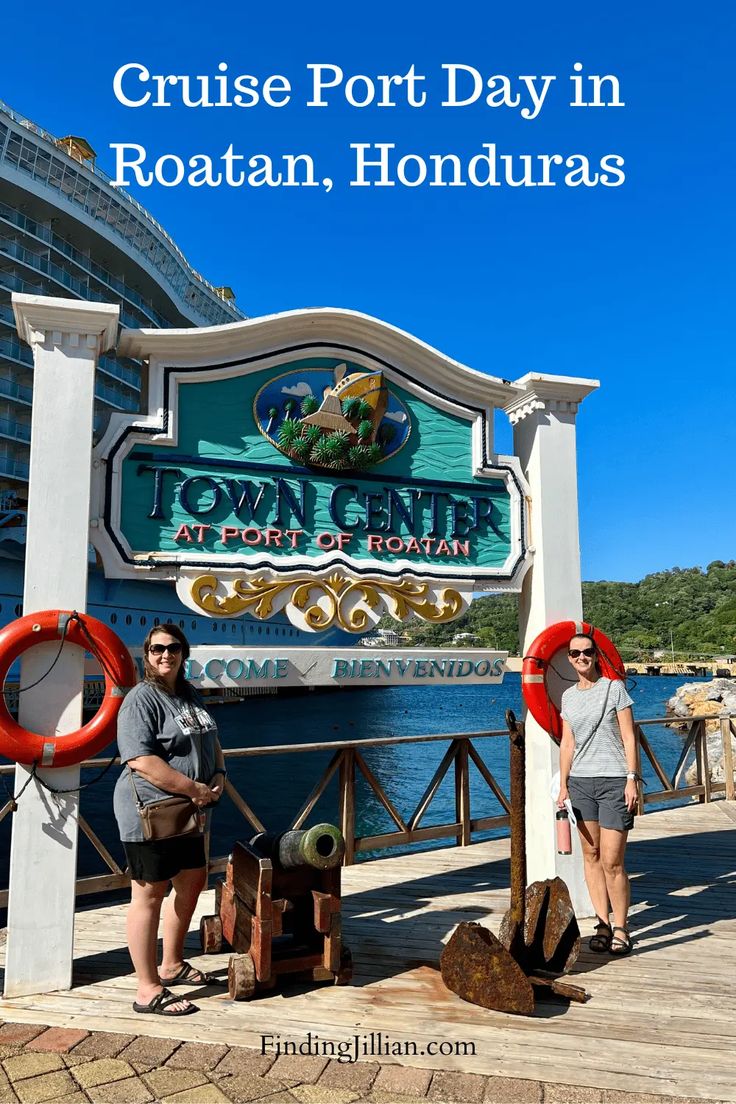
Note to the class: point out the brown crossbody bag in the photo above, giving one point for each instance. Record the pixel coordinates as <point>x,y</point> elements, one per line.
<point>167,818</point>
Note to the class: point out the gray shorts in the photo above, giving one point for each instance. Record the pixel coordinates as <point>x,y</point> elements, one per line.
<point>601,799</point>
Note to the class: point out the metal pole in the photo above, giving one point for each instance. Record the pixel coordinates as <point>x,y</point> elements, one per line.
<point>518,817</point>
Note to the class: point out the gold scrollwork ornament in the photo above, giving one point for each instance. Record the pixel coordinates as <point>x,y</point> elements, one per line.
<point>337,600</point>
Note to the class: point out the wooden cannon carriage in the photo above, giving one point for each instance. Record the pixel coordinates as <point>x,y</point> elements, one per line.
<point>279,909</point>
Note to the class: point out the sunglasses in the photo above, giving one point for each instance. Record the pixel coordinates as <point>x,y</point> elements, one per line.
<point>159,649</point>
<point>574,653</point>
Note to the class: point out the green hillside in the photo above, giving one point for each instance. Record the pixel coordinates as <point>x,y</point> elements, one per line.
<point>692,610</point>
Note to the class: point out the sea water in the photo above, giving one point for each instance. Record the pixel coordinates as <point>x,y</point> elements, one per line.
<point>276,786</point>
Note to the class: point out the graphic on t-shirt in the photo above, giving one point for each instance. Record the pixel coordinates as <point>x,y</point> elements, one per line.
<point>194,720</point>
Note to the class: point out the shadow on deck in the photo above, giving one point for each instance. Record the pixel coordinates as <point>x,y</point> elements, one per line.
<point>661,1021</point>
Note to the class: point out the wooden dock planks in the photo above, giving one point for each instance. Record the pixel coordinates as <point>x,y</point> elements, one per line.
<point>661,1021</point>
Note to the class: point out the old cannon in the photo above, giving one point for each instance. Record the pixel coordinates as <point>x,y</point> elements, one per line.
<point>278,908</point>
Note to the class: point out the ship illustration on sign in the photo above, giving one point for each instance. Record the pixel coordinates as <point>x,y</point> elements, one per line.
<point>340,419</point>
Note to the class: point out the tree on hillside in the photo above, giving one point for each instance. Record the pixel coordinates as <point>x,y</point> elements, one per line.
<point>688,608</point>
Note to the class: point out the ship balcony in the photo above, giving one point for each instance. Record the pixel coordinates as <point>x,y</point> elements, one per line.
<point>13,349</point>
<point>9,389</point>
<point>47,267</point>
<point>42,234</point>
<point>89,189</point>
<point>117,370</point>
<point>113,398</point>
<point>12,468</point>
<point>14,430</point>
<point>11,281</point>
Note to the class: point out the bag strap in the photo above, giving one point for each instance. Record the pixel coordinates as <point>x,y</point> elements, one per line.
<point>599,722</point>
<point>136,795</point>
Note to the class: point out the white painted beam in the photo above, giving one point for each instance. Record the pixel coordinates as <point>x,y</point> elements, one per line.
<point>544,441</point>
<point>66,337</point>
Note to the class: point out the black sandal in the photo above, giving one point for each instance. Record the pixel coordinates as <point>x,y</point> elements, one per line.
<point>161,1005</point>
<point>601,941</point>
<point>620,946</point>
<point>192,975</point>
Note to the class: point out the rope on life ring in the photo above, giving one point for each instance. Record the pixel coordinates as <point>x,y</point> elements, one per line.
<point>536,666</point>
<point>68,748</point>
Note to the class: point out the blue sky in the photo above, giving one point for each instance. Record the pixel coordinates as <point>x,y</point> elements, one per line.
<point>631,285</point>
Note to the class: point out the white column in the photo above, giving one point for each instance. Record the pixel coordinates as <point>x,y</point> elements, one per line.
<point>544,440</point>
<point>66,337</point>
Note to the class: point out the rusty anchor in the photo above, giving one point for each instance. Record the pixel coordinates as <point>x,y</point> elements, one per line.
<point>539,937</point>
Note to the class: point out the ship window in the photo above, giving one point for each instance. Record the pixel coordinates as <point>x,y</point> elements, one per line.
<point>268,631</point>
<point>181,624</point>
<point>28,157</point>
<point>234,626</point>
<point>12,152</point>
<point>128,619</point>
<point>194,624</point>
<point>56,173</point>
<point>157,620</point>
<point>214,626</point>
<point>143,620</point>
<point>43,163</point>
<point>113,619</point>
<point>260,629</point>
<point>68,181</point>
<point>81,189</point>
<point>18,610</point>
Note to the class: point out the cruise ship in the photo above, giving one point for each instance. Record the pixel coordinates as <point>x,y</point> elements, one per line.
<point>66,231</point>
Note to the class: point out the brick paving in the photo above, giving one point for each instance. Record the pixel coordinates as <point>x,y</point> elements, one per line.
<point>40,1065</point>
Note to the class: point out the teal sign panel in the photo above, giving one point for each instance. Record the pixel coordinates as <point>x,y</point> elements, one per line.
<point>318,460</point>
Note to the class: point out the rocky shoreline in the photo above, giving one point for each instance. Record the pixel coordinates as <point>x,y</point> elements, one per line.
<point>710,699</point>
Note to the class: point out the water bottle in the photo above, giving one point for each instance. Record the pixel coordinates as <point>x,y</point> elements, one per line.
<point>564,837</point>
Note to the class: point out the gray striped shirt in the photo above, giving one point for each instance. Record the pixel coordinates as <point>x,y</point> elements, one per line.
<point>599,750</point>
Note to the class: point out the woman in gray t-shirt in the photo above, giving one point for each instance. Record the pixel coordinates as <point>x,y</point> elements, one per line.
<point>169,747</point>
<point>598,774</point>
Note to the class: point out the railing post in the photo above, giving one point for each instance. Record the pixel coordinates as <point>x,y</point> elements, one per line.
<point>347,803</point>
<point>462,793</point>
<point>727,757</point>
<point>701,762</point>
<point>639,782</point>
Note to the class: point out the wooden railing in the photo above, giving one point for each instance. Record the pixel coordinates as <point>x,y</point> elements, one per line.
<point>348,762</point>
<point>697,738</point>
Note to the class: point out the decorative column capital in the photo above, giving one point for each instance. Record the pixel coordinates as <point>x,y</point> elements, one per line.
<point>67,323</point>
<point>556,394</point>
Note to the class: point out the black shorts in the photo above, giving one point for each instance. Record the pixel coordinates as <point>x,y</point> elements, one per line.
<point>601,799</point>
<point>160,860</point>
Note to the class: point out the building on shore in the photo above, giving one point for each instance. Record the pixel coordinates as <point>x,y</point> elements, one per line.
<point>66,231</point>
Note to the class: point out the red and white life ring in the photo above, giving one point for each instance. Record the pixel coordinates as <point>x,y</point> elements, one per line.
<point>18,743</point>
<point>541,697</point>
